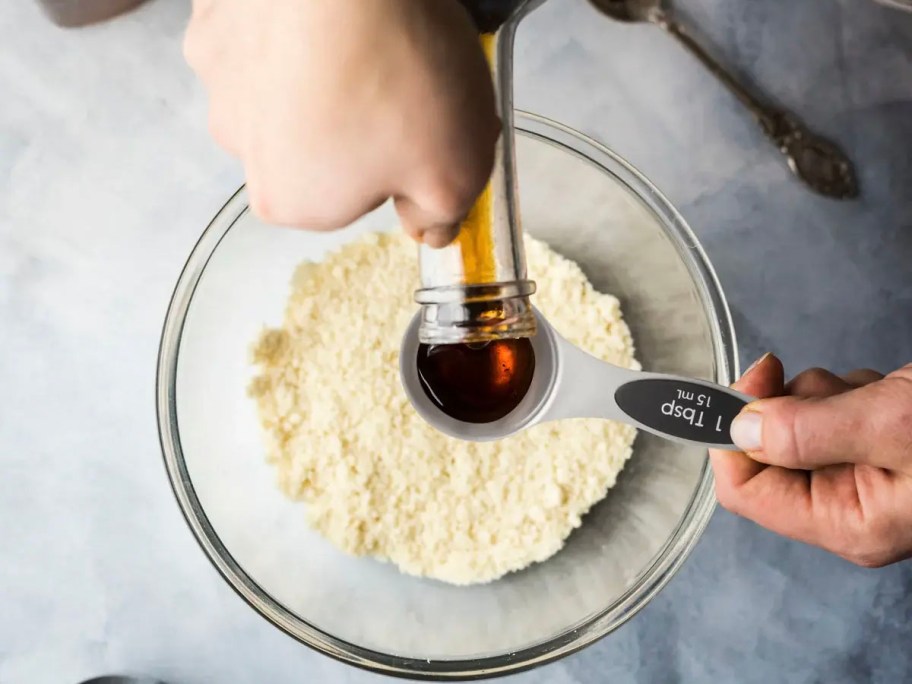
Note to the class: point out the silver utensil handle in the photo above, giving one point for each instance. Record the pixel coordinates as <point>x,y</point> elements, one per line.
<point>818,162</point>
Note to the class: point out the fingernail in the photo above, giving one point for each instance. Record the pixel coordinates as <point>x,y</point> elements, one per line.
<point>747,431</point>
<point>757,363</point>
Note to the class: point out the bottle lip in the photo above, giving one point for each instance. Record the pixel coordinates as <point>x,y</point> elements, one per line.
<point>472,294</point>
<point>519,327</point>
<point>490,316</point>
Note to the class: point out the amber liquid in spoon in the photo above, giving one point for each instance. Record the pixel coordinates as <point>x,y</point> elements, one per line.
<point>477,383</point>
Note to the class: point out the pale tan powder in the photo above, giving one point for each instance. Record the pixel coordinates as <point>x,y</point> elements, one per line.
<point>375,478</point>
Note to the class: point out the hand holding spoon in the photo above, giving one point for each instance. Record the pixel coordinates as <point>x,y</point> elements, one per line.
<point>818,162</point>
<point>569,383</point>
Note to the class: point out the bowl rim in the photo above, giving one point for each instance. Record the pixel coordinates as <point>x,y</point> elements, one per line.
<point>651,579</point>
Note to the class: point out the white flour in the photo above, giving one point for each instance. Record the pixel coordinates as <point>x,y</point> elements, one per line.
<point>375,478</point>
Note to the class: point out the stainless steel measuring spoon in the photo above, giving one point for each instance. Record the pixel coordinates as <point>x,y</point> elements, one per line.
<point>570,383</point>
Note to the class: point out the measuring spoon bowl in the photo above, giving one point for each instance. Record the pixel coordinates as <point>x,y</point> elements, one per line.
<point>570,383</point>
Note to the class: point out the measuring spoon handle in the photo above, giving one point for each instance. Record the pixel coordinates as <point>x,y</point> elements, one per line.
<point>683,410</point>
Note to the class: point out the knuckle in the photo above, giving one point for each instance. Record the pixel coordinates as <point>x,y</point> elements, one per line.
<point>798,445</point>
<point>872,544</point>
<point>260,203</point>
<point>814,375</point>
<point>448,202</point>
<point>272,207</point>
<point>862,377</point>
<point>264,192</point>
<point>192,47</point>
<point>812,381</point>
<point>869,559</point>
<point>785,434</point>
<point>188,48</point>
<point>320,224</point>
<point>269,209</point>
<point>881,529</point>
<point>198,45</point>
<point>217,127</point>
<point>892,416</point>
<point>900,410</point>
<point>899,383</point>
<point>905,371</point>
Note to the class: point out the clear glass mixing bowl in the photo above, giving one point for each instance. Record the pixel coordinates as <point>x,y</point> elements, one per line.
<point>592,207</point>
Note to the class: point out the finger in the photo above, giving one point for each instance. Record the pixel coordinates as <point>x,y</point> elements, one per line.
<point>271,204</point>
<point>202,49</point>
<point>871,425</point>
<point>763,379</point>
<point>424,226</point>
<point>221,129</point>
<point>817,382</point>
<point>775,498</point>
<point>862,377</point>
<point>824,508</point>
<point>201,8</point>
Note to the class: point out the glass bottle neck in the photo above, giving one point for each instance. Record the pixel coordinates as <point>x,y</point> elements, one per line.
<point>476,289</point>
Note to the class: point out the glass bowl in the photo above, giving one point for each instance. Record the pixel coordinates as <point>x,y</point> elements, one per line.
<point>592,207</point>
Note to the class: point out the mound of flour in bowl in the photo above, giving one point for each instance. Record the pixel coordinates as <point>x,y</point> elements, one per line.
<point>379,481</point>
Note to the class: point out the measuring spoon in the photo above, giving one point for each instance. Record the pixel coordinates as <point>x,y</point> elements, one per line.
<point>570,383</point>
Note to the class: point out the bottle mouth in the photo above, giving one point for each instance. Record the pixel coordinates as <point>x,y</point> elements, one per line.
<point>476,313</point>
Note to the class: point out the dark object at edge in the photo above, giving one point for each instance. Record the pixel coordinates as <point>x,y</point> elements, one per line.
<point>72,13</point>
<point>490,14</point>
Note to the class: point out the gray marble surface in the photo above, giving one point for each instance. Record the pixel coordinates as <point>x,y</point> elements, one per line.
<point>107,177</point>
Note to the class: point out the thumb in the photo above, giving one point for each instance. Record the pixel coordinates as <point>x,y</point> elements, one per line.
<point>765,378</point>
<point>870,426</point>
